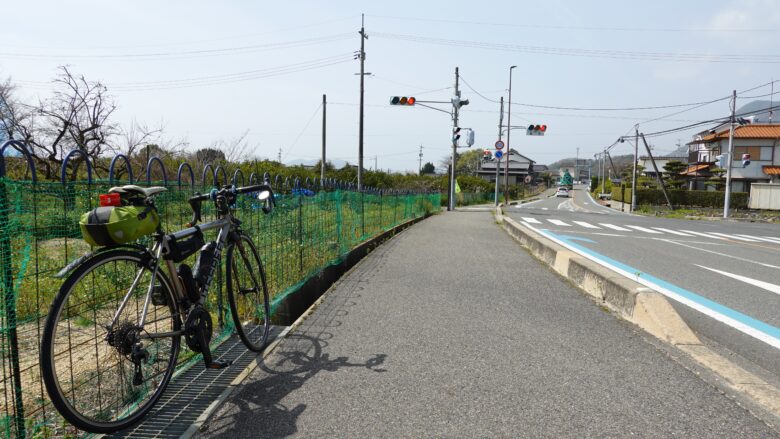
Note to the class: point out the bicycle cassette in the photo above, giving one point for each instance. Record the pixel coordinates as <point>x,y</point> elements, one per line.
<point>198,319</point>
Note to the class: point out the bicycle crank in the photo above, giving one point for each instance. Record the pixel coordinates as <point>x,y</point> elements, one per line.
<point>197,335</point>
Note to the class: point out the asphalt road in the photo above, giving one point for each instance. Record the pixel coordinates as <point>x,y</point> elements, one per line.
<point>453,330</point>
<point>731,269</point>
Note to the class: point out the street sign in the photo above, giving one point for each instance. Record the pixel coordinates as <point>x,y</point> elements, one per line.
<point>498,154</point>
<point>499,144</point>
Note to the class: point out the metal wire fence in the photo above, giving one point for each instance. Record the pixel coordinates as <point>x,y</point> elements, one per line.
<point>39,234</point>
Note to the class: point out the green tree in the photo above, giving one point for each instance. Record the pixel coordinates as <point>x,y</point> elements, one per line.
<point>468,162</point>
<point>673,174</point>
<point>428,168</point>
<point>717,180</point>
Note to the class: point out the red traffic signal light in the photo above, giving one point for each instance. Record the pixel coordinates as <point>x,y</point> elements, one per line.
<point>402,100</point>
<point>536,130</point>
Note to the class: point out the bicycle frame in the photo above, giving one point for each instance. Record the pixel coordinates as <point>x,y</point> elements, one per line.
<point>225,225</point>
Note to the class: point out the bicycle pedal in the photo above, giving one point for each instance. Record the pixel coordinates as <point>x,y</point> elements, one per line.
<point>217,364</point>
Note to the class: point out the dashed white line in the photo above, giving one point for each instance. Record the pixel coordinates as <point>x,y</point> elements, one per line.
<point>614,227</point>
<point>646,230</point>
<point>748,280</point>
<point>773,241</point>
<point>586,225</point>
<point>531,220</point>
<point>559,222</point>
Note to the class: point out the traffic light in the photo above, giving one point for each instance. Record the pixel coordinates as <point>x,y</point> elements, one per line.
<point>455,134</point>
<point>536,130</point>
<point>402,100</point>
<point>487,156</point>
<point>458,102</point>
<point>470,138</point>
<point>745,160</point>
<point>722,161</point>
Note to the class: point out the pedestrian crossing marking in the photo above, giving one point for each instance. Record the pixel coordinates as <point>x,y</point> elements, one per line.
<point>531,220</point>
<point>673,232</point>
<point>738,238</point>
<point>646,230</point>
<point>704,235</point>
<point>614,227</point>
<point>586,225</point>
<point>559,223</point>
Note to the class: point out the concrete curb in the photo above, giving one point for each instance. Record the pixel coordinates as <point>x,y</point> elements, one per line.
<point>647,309</point>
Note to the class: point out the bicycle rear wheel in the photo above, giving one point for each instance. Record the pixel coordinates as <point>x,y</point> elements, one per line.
<point>248,293</point>
<point>88,366</point>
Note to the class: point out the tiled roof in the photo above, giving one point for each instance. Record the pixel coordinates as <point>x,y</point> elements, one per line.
<point>753,131</point>
<point>771,170</point>
<point>693,169</point>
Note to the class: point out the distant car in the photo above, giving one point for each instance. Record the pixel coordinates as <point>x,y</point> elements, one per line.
<point>562,192</point>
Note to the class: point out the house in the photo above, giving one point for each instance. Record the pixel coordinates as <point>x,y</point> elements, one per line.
<point>520,167</point>
<point>761,141</point>
<point>660,162</point>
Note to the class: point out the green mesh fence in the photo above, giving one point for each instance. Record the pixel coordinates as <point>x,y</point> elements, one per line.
<point>39,234</point>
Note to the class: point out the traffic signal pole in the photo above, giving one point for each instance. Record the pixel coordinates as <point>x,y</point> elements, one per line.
<point>451,203</point>
<point>498,164</point>
<point>508,132</point>
<point>322,163</point>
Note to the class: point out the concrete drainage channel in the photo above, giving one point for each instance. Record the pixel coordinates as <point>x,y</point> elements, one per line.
<point>650,311</point>
<point>196,393</point>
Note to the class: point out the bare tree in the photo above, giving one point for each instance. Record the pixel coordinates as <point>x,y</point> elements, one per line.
<point>75,117</point>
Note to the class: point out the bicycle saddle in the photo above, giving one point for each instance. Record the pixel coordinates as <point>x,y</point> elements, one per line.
<point>133,189</point>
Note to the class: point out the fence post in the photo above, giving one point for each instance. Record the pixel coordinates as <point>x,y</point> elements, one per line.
<point>9,301</point>
<point>337,195</point>
<point>299,194</point>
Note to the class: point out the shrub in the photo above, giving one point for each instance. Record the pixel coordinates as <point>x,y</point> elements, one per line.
<point>655,197</point>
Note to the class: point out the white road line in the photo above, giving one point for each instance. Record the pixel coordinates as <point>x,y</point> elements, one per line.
<point>614,227</point>
<point>773,241</point>
<point>773,238</point>
<point>704,235</point>
<point>559,223</point>
<point>610,234</point>
<point>586,225</point>
<point>718,253</point>
<point>531,220</point>
<point>749,280</point>
<point>734,237</point>
<point>646,230</point>
<point>545,208</point>
<point>673,232</point>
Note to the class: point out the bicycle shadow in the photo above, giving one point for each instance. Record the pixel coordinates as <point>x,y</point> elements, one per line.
<point>256,410</point>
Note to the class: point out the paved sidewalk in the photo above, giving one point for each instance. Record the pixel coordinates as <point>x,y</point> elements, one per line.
<point>452,330</point>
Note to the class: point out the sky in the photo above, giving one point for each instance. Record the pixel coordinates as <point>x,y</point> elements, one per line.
<point>210,71</point>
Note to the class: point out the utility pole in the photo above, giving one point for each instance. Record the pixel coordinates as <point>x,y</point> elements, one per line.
<point>375,165</point>
<point>657,173</point>
<point>363,38</point>
<point>577,164</point>
<point>322,163</point>
<point>636,158</point>
<point>279,157</point>
<point>603,173</point>
<point>508,132</point>
<point>455,105</point>
<point>419,166</point>
<point>727,201</point>
<point>498,163</point>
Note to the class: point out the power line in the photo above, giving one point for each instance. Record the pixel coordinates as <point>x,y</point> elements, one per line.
<point>217,79</point>
<point>588,53</point>
<point>588,28</point>
<point>182,54</point>
<point>305,127</point>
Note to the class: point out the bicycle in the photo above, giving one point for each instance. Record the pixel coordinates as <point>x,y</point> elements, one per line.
<point>113,334</point>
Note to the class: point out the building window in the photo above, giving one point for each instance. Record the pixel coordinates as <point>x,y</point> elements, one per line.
<point>757,153</point>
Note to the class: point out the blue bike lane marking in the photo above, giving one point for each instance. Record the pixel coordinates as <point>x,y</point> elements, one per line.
<point>737,320</point>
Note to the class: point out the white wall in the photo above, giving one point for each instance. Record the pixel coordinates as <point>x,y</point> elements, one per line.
<point>764,196</point>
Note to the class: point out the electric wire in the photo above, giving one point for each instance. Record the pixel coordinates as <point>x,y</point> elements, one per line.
<point>305,127</point>
<point>588,53</point>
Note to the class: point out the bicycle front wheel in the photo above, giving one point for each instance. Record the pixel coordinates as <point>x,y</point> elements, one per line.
<point>248,293</point>
<point>104,377</point>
